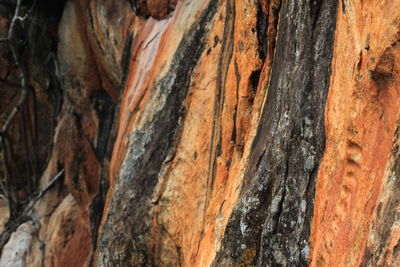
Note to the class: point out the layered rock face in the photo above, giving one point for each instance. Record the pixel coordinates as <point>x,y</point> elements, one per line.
<point>200,133</point>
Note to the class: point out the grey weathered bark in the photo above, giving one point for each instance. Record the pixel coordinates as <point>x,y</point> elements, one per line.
<point>203,133</point>
<point>274,213</point>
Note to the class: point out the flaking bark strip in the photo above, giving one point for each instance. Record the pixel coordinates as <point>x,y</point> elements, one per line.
<point>224,60</point>
<point>144,158</point>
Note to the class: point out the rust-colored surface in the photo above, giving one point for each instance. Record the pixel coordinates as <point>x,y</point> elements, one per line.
<point>68,239</point>
<point>121,51</point>
<point>361,118</point>
<point>192,210</point>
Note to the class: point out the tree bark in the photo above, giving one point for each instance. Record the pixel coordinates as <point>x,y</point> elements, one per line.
<point>204,133</point>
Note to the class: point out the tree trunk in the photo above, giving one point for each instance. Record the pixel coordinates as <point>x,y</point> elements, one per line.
<point>201,133</point>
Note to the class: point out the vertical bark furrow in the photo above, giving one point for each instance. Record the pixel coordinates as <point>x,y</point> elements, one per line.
<point>270,224</point>
<point>121,242</point>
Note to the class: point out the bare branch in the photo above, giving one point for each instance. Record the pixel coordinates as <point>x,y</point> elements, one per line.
<point>5,236</point>
<point>24,76</point>
<point>44,191</point>
<point>14,112</point>
<point>29,11</point>
<point>3,188</point>
<point>5,163</point>
<point>10,184</point>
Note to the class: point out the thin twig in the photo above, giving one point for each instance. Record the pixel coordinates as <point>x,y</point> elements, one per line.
<point>11,183</point>
<point>3,188</point>
<point>30,10</point>
<point>44,191</point>
<point>24,76</point>
<point>14,112</point>
<point>5,161</point>
<point>5,236</point>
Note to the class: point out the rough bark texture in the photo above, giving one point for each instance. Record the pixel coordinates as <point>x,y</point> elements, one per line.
<point>200,133</point>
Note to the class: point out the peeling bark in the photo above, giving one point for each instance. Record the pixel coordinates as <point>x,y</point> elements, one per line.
<point>200,133</point>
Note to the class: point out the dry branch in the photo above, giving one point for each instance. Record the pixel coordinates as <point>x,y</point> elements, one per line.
<point>13,225</point>
<point>44,191</point>
<point>11,182</point>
